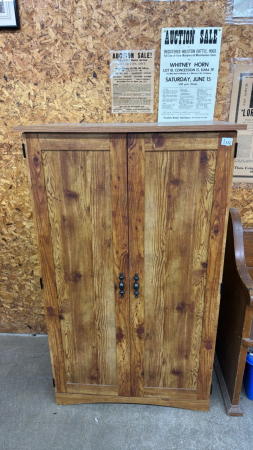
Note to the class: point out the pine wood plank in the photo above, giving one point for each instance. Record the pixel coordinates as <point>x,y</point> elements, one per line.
<point>79,201</point>
<point>178,199</point>
<point>204,199</point>
<point>219,219</point>
<point>130,127</point>
<point>118,159</point>
<point>102,245</point>
<point>72,141</point>
<point>170,393</point>
<point>164,324</point>
<point>184,141</point>
<point>42,225</point>
<point>75,399</point>
<point>136,189</point>
<point>67,192</point>
<point>77,388</point>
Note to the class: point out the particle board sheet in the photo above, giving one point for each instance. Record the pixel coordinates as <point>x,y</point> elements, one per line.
<point>175,253</point>
<point>21,305</point>
<point>242,199</point>
<point>56,68</point>
<point>79,203</point>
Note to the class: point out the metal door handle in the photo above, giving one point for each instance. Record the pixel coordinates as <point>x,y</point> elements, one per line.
<point>121,285</point>
<point>136,286</point>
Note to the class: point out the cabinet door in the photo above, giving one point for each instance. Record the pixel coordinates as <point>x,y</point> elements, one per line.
<point>178,197</point>
<point>85,228</point>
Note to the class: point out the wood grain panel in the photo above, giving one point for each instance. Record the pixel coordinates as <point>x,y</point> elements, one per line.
<point>178,198</point>
<point>248,323</point>
<point>250,270</point>
<point>118,159</point>
<point>41,218</point>
<point>68,141</point>
<point>102,247</point>
<point>219,218</point>
<point>136,251</point>
<point>170,393</point>
<point>80,211</point>
<point>204,198</point>
<point>152,127</point>
<point>248,246</point>
<point>234,317</point>
<point>77,388</point>
<point>183,141</point>
<point>232,310</point>
<point>74,399</point>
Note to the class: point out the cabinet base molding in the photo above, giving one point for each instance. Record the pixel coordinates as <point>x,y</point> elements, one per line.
<point>74,399</point>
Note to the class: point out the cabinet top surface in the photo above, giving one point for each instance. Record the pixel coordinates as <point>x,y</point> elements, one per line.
<point>150,127</point>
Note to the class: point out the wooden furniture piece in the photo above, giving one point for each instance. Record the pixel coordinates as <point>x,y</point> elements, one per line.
<point>149,201</point>
<point>235,326</point>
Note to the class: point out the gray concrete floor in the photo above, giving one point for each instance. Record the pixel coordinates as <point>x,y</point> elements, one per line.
<point>30,419</point>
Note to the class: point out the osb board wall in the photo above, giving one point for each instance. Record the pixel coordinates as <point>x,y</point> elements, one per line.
<point>56,69</point>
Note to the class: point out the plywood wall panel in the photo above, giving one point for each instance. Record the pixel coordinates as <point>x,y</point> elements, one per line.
<point>56,69</point>
<point>21,308</point>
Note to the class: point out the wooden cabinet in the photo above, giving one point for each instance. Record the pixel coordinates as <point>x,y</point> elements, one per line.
<point>142,199</point>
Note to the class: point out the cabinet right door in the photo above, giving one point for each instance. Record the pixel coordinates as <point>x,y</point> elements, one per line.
<point>178,187</point>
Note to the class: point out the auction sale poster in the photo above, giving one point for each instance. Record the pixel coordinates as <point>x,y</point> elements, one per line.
<point>132,81</point>
<point>241,111</point>
<point>188,73</point>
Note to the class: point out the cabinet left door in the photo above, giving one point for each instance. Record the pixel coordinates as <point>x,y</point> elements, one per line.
<point>79,192</point>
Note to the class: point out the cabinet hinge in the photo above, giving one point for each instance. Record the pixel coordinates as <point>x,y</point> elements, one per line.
<point>41,283</point>
<point>236,147</point>
<point>53,382</point>
<point>221,288</point>
<point>24,152</point>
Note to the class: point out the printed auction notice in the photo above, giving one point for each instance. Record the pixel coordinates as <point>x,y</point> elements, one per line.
<point>132,81</point>
<point>188,73</point>
<point>241,111</point>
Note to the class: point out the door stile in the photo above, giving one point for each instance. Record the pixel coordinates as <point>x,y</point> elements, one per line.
<point>136,197</point>
<point>43,234</point>
<point>217,240</point>
<point>118,160</point>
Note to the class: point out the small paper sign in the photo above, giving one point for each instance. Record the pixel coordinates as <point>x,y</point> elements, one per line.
<point>132,81</point>
<point>227,141</point>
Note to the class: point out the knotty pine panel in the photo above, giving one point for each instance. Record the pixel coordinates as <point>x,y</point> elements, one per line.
<point>79,204</point>
<point>178,199</point>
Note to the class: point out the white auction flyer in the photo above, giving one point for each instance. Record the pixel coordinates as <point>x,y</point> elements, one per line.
<point>132,81</point>
<point>241,111</point>
<point>188,73</point>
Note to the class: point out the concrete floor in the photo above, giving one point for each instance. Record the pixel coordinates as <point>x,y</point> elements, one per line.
<point>30,419</point>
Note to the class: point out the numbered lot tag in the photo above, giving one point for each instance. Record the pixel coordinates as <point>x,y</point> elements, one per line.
<point>227,141</point>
